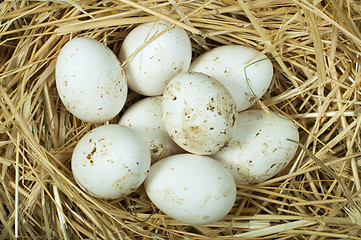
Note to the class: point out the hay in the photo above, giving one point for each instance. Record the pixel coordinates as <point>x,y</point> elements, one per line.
<point>315,48</point>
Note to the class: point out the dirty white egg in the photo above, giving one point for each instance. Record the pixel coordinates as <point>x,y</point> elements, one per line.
<point>149,69</point>
<point>110,161</point>
<point>190,188</point>
<point>145,117</point>
<point>198,113</point>
<point>90,81</point>
<point>259,148</point>
<point>232,65</point>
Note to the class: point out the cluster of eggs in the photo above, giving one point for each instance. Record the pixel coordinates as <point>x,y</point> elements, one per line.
<point>190,139</point>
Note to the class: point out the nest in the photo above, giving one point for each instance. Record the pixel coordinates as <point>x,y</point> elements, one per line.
<point>315,49</point>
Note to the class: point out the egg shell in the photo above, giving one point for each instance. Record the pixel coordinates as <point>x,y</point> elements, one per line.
<point>230,65</point>
<point>90,81</point>
<point>198,113</point>
<point>149,71</point>
<point>145,117</point>
<point>259,148</point>
<point>190,188</point>
<point>110,161</point>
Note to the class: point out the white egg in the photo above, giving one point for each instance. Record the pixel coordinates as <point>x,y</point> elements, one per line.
<point>190,188</point>
<point>198,113</point>
<point>90,80</point>
<point>259,148</point>
<point>230,65</point>
<point>110,161</point>
<point>153,66</point>
<point>145,117</point>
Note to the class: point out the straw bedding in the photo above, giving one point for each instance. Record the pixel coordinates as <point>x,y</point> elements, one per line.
<point>315,48</point>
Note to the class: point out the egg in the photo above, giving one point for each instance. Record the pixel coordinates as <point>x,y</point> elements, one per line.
<point>190,188</point>
<point>145,117</point>
<point>90,80</point>
<point>232,66</point>
<point>110,161</point>
<point>198,113</point>
<point>150,67</point>
<point>259,148</point>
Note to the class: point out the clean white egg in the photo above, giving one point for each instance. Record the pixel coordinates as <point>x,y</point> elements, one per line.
<point>149,69</point>
<point>145,117</point>
<point>241,69</point>
<point>198,112</point>
<point>259,148</point>
<point>110,161</point>
<point>90,81</point>
<point>190,188</point>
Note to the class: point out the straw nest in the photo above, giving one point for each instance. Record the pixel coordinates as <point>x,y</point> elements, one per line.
<point>316,52</point>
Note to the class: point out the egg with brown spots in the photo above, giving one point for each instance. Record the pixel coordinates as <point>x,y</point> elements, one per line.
<point>198,112</point>
<point>154,52</point>
<point>110,161</point>
<point>145,117</point>
<point>243,70</point>
<point>90,80</point>
<point>190,188</point>
<point>259,148</point>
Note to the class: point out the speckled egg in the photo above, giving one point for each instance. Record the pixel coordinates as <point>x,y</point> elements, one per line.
<point>259,148</point>
<point>243,70</point>
<point>190,188</point>
<point>110,161</point>
<point>198,112</point>
<point>145,117</point>
<point>90,80</point>
<point>151,65</point>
